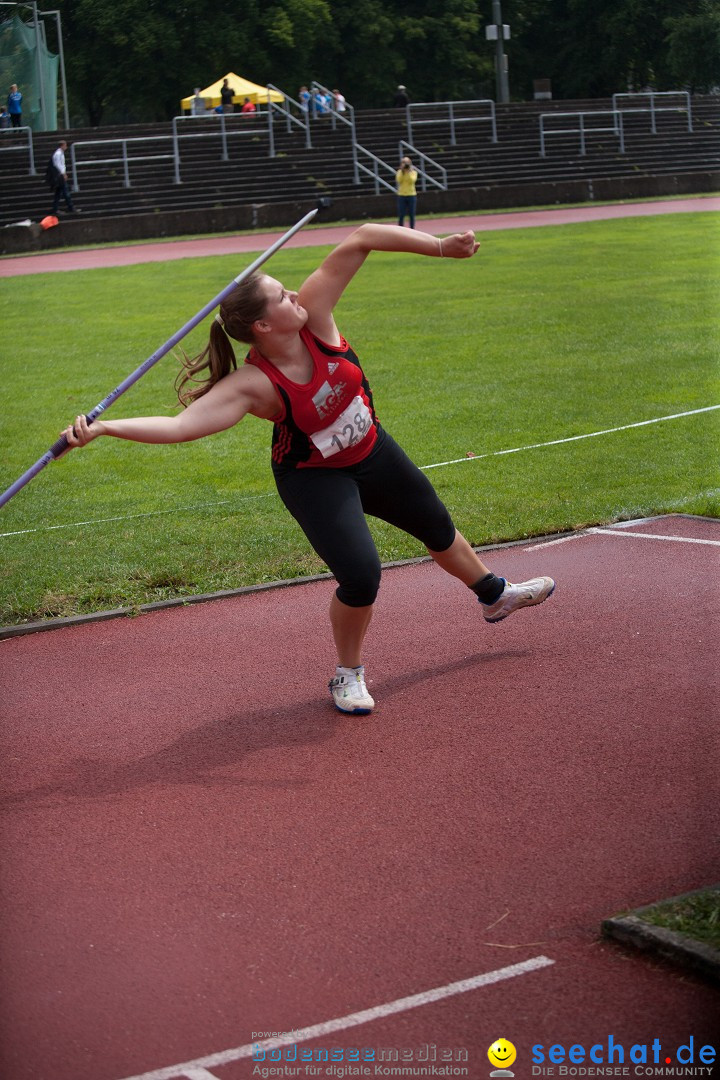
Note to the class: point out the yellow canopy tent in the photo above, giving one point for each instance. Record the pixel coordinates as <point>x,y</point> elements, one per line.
<point>243,89</point>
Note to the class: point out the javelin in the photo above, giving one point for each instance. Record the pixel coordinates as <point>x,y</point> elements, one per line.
<point>62,444</point>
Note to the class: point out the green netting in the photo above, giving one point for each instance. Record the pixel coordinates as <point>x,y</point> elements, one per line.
<point>29,63</point>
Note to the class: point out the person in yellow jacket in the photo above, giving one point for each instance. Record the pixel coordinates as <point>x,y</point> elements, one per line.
<point>406,178</point>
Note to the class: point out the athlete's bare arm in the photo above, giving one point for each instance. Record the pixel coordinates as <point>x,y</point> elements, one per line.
<point>241,392</point>
<point>321,291</point>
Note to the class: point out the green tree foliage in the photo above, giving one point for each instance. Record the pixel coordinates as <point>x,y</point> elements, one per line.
<point>445,49</point>
<point>593,50</point>
<point>364,59</point>
<point>434,47</point>
<point>133,60</point>
<point>694,47</point>
<point>129,60</point>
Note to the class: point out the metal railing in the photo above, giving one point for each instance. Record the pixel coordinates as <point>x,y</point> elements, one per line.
<point>328,107</point>
<point>214,125</point>
<point>451,118</point>
<point>124,160</point>
<point>374,170</point>
<point>424,176</point>
<point>615,129</point>
<point>652,108</point>
<point>7,132</point>
<point>332,110</point>
<point>283,108</point>
<point>240,124</point>
<point>347,117</point>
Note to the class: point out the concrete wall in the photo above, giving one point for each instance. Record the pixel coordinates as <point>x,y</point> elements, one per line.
<point>75,232</point>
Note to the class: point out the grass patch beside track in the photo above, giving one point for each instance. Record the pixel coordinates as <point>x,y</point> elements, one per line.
<point>546,334</point>
<point>696,916</point>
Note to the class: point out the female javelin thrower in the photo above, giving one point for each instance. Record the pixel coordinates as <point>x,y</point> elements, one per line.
<point>332,461</point>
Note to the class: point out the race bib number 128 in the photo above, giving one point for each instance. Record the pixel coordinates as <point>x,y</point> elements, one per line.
<point>349,428</point>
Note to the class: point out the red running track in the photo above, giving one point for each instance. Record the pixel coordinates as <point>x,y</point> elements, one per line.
<point>91,258</point>
<point>199,849</point>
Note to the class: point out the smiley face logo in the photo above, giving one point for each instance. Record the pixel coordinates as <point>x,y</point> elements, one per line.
<point>502,1054</point>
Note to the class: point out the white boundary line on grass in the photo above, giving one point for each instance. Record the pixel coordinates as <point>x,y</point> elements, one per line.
<point>133,517</point>
<point>198,1068</point>
<point>424,468</point>
<point>574,438</point>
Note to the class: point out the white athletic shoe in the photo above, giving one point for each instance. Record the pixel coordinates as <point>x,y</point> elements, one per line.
<point>513,597</point>
<point>349,691</point>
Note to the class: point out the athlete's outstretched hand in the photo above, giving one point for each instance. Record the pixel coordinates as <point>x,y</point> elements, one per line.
<point>81,433</point>
<point>460,245</point>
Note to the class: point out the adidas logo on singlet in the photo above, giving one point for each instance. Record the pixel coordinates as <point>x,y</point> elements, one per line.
<point>332,366</point>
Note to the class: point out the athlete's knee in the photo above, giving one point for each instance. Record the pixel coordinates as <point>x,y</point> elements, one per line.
<point>442,536</point>
<point>359,587</point>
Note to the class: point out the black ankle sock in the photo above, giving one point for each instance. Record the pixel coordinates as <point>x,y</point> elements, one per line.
<point>488,589</point>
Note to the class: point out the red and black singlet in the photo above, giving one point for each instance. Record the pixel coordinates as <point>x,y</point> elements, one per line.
<point>329,421</point>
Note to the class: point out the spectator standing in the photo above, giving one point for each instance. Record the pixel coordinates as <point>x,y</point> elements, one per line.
<point>406,179</point>
<point>304,98</point>
<point>320,103</point>
<point>226,96</point>
<point>401,98</point>
<point>339,101</point>
<point>198,103</point>
<point>14,106</point>
<point>61,186</point>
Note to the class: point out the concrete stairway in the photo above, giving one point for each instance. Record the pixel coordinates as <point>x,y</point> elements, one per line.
<point>298,175</point>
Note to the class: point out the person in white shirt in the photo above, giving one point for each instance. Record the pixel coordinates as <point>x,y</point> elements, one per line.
<point>61,185</point>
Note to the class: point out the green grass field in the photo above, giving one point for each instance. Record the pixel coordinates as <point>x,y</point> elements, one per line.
<point>548,333</point>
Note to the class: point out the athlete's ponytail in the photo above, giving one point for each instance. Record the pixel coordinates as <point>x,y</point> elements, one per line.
<point>243,307</point>
<point>217,358</point>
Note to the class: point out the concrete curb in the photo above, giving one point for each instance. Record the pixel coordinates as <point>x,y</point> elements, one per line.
<point>21,629</point>
<point>688,953</point>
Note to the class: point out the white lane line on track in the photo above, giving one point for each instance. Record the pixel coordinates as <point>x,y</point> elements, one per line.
<point>623,529</point>
<point>653,536</point>
<point>552,543</point>
<point>175,1072</point>
<point>424,468</point>
<point>640,521</point>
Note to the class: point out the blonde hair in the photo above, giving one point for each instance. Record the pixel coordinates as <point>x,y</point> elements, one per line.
<point>244,306</point>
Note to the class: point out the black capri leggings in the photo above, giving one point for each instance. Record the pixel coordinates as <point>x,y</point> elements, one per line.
<point>330,506</point>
